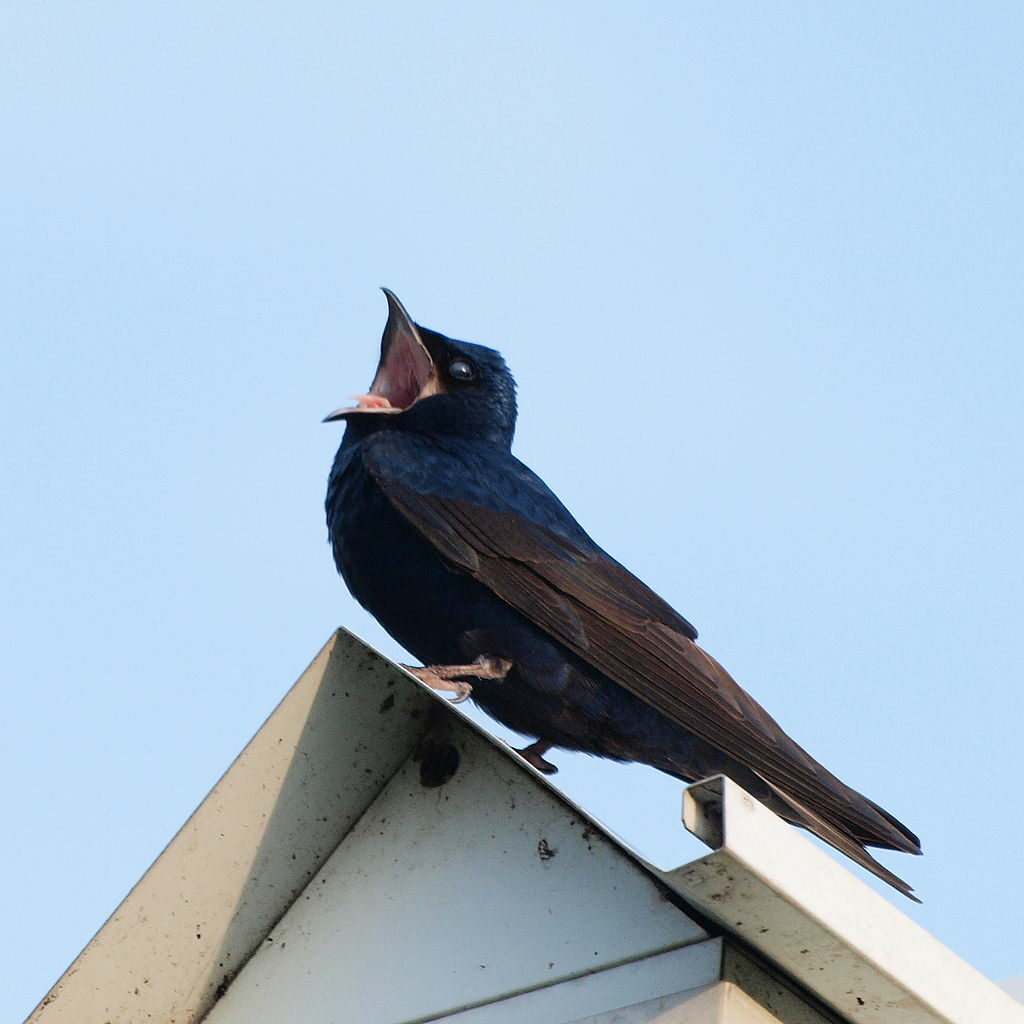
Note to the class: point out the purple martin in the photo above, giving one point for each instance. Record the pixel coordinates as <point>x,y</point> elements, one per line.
<point>475,567</point>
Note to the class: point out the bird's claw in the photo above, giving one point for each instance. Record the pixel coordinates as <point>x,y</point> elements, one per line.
<point>436,681</point>
<point>534,755</point>
<point>462,692</point>
<point>447,677</point>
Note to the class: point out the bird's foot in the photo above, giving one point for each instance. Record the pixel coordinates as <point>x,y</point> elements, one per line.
<point>447,677</point>
<point>430,676</point>
<point>534,755</point>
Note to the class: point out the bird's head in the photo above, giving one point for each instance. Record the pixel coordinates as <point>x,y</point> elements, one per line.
<point>428,383</point>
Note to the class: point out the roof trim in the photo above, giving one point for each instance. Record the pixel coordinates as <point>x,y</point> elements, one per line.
<point>803,911</point>
<point>327,751</point>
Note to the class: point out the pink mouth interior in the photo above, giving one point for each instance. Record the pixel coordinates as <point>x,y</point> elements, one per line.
<point>371,402</point>
<point>401,377</point>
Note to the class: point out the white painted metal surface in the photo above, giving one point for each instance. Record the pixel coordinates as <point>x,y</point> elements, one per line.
<point>251,847</point>
<point>1015,986</point>
<point>721,1003</point>
<point>374,857</point>
<point>804,912</point>
<point>640,981</point>
<point>472,891</point>
<point>653,989</point>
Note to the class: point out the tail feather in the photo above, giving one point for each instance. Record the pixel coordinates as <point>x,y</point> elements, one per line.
<point>843,841</point>
<point>910,843</point>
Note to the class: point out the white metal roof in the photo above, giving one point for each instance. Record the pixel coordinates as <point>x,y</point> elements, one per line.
<point>369,827</point>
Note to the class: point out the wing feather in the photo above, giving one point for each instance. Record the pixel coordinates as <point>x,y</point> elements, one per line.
<point>611,620</point>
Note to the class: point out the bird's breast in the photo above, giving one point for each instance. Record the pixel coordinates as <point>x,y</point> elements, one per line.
<point>397,576</point>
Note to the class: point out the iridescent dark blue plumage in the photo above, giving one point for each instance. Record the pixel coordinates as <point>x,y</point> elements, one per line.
<point>462,553</point>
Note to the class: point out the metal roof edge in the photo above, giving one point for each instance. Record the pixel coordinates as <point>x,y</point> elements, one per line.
<point>208,901</point>
<point>805,913</point>
<point>205,905</point>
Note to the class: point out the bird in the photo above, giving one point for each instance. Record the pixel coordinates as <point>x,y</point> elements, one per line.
<point>474,566</point>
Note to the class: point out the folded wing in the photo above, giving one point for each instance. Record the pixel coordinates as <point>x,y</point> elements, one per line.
<point>570,588</point>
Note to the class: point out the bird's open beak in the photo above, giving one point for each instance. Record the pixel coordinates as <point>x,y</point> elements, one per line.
<point>405,373</point>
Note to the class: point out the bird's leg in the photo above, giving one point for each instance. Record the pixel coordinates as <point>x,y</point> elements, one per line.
<point>447,677</point>
<point>534,755</point>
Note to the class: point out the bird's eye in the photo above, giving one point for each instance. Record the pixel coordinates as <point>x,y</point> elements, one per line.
<point>462,370</point>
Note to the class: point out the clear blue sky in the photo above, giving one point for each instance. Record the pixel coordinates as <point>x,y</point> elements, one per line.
<point>758,271</point>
